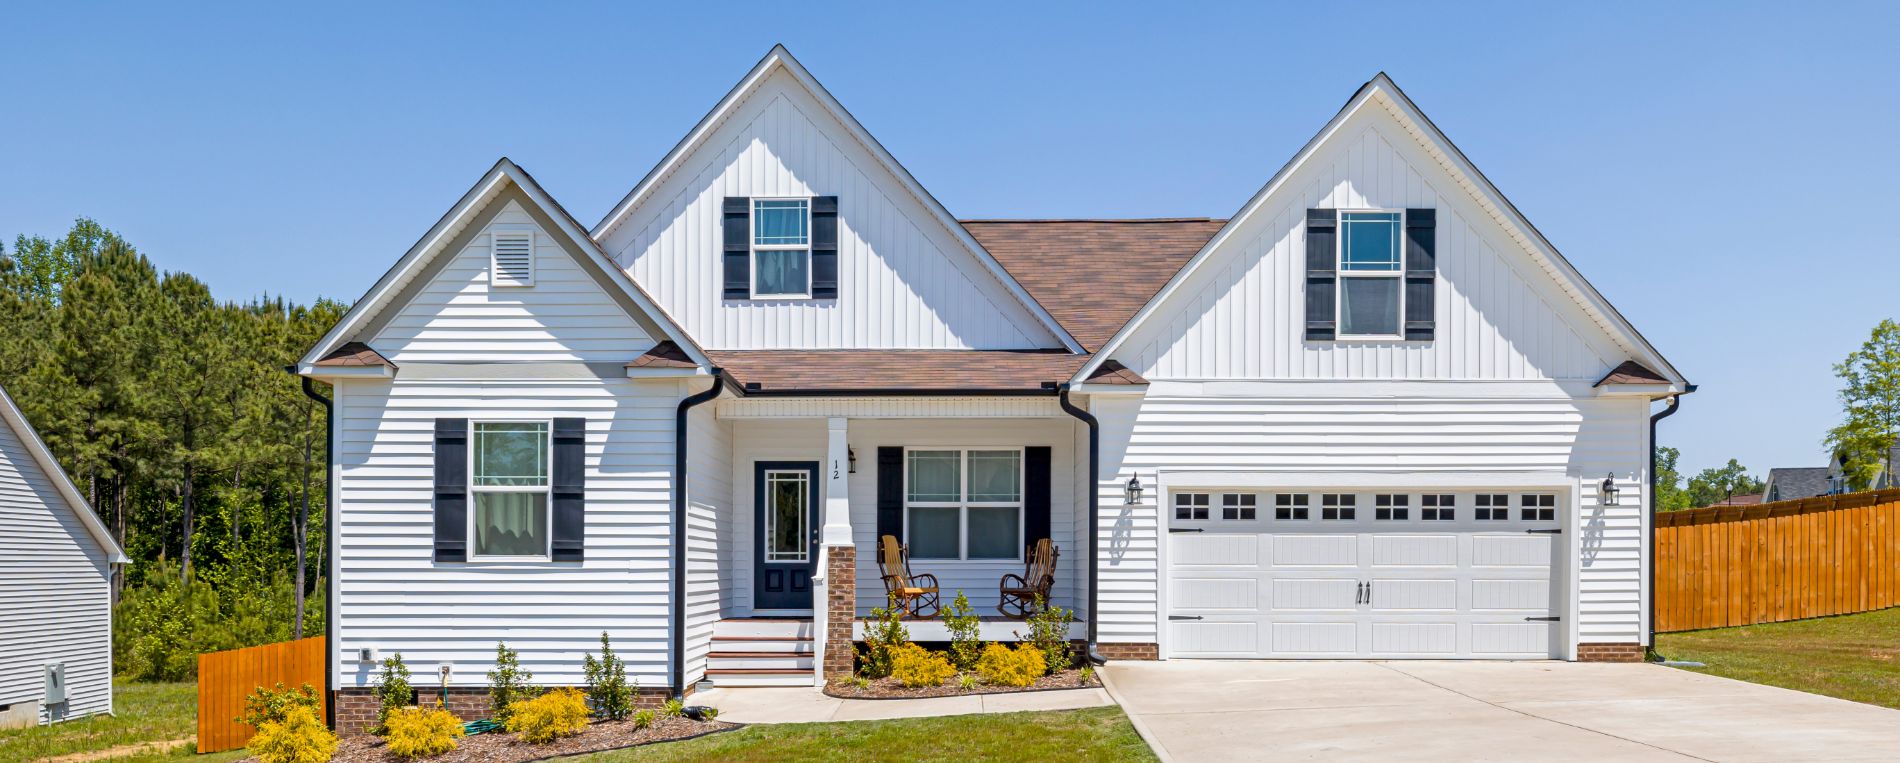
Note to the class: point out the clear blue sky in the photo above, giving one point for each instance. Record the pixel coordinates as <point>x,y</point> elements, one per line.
<point>1725,174</point>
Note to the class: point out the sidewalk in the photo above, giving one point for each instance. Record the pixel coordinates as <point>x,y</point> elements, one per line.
<point>803,705</point>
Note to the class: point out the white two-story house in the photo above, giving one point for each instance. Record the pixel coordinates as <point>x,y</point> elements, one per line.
<point>1374,414</point>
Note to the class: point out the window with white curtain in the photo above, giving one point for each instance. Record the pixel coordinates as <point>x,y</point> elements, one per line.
<point>1371,274</point>
<point>964,504</point>
<point>508,479</point>
<point>781,248</point>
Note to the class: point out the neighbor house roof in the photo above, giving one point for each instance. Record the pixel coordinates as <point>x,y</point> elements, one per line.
<point>1093,275</point>
<point>1631,372</point>
<point>1790,483</point>
<point>1748,499</point>
<point>908,371</point>
<point>11,416</point>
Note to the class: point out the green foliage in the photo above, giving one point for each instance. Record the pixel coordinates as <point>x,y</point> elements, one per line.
<point>1003,666</point>
<point>418,733</point>
<point>509,683</point>
<point>607,687</point>
<point>162,623</point>
<point>672,708</point>
<point>1870,406</point>
<point>1087,675</point>
<point>642,718</point>
<point>299,738</point>
<point>274,705</point>
<point>556,714</point>
<point>1049,633</point>
<point>709,714</point>
<point>1670,496</point>
<point>965,645</point>
<point>885,632</point>
<point>1713,485</point>
<point>966,682</point>
<point>392,691</point>
<point>915,666</point>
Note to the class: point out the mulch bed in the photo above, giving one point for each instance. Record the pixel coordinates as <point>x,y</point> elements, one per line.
<point>889,688</point>
<point>498,747</point>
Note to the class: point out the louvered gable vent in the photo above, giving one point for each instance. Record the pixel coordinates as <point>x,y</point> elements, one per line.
<point>513,258</point>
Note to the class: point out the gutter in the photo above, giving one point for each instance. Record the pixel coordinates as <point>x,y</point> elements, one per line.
<point>1095,514</point>
<point>1675,403</point>
<point>329,514</point>
<point>679,528</point>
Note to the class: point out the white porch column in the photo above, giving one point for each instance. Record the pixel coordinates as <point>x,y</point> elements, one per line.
<point>837,467</point>
<point>837,609</point>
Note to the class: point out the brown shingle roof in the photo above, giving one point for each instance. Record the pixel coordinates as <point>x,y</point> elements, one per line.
<point>908,371</point>
<point>663,355</point>
<point>354,354</point>
<point>1093,275</point>
<point>1631,372</point>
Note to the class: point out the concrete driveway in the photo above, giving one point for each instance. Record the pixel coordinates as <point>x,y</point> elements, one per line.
<point>1486,711</point>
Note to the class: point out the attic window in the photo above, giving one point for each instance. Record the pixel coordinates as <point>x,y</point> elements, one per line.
<point>513,258</point>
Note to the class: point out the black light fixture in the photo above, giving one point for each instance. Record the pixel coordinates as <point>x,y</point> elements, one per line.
<point>851,454</point>
<point>1133,489</point>
<point>1606,492</point>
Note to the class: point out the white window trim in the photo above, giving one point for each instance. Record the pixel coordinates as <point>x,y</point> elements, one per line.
<point>804,551</point>
<point>494,269</point>
<point>754,247</point>
<point>964,504</point>
<point>547,550</point>
<point>1340,274</point>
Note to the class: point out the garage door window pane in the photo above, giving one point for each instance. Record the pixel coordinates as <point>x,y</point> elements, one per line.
<point>1438,507</point>
<point>1339,506</point>
<point>1290,506</point>
<point>933,532</point>
<point>995,533</point>
<point>1238,506</point>
<point>1539,508</point>
<point>1190,505</point>
<point>1391,507</point>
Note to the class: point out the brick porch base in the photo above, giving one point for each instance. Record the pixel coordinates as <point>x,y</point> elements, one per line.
<point>841,610</point>
<point>1609,652</point>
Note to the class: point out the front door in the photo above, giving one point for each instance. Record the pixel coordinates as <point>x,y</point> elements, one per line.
<point>785,497</point>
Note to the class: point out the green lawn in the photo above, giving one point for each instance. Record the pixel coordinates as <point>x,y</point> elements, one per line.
<point>146,713</point>
<point>1096,734</point>
<point>1853,657</point>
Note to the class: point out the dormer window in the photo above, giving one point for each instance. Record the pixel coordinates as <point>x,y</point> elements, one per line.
<point>511,258</point>
<point>781,248</point>
<point>1371,274</point>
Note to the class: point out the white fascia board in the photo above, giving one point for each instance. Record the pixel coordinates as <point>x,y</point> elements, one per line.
<point>1392,480</point>
<point>667,373</point>
<point>1652,391</point>
<point>1111,390</point>
<point>43,455</point>
<point>1480,187</point>
<point>777,57</point>
<point>344,372</point>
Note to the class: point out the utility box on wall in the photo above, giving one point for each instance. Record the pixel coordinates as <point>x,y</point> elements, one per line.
<point>55,684</point>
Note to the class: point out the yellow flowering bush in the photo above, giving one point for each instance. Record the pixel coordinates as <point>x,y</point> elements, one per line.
<point>417,733</point>
<point>915,666</point>
<point>299,738</point>
<point>556,714</point>
<point>1003,666</point>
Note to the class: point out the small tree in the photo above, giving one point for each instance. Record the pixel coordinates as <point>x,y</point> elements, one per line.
<point>1870,403</point>
<point>1670,496</point>
<point>392,691</point>
<point>882,636</point>
<point>1713,484</point>
<point>508,683</point>
<point>965,643</point>
<point>1049,633</point>
<point>607,687</point>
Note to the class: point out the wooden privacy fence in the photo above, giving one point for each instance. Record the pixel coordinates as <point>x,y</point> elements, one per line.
<point>226,678</point>
<point>1788,560</point>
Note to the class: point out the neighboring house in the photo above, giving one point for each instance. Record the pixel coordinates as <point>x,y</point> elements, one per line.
<point>1790,483</point>
<point>1881,480</point>
<point>1371,416</point>
<point>56,561</point>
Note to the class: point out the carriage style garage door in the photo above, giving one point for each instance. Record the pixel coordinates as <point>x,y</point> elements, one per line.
<point>1353,574</point>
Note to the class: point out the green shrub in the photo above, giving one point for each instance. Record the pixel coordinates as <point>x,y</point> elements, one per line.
<point>966,682</point>
<point>965,644</point>
<point>556,714</point>
<point>163,622</point>
<point>883,634</point>
<point>642,719</point>
<point>273,705</point>
<point>607,687</point>
<point>709,714</point>
<point>392,691</point>
<point>1003,666</point>
<point>299,738</point>
<point>417,733</point>
<point>509,683</point>
<point>915,666</point>
<point>1088,674</point>
<point>672,708</point>
<point>1049,632</point>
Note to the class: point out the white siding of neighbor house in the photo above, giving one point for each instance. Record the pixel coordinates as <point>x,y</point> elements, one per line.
<point>710,530</point>
<point>1242,314</point>
<point>1344,427</point>
<point>564,316</point>
<point>393,596</point>
<point>54,597</point>
<point>905,281</point>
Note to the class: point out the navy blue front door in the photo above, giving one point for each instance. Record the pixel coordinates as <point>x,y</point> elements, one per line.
<point>785,520</point>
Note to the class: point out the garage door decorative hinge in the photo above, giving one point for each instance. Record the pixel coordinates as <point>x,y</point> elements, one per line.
<point>1185,530</point>
<point>1543,619</point>
<point>1184,617</point>
<point>1545,532</point>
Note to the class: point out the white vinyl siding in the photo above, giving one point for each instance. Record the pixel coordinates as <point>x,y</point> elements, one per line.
<point>54,598</point>
<point>904,280</point>
<point>460,316</point>
<point>713,530</point>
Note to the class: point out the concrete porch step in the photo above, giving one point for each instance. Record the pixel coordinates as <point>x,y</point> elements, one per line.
<point>760,661</point>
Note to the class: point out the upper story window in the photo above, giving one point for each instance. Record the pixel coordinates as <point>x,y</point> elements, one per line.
<point>781,248</point>
<point>509,482</point>
<point>1371,274</point>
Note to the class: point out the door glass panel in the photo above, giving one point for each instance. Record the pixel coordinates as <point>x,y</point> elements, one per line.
<point>787,495</point>
<point>994,533</point>
<point>933,532</point>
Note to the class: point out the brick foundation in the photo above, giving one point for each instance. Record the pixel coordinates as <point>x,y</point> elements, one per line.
<point>356,707</point>
<point>1129,651</point>
<point>841,610</point>
<point>1609,652</point>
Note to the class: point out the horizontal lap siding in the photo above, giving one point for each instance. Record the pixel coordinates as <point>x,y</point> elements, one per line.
<point>54,600</point>
<point>1582,438</point>
<point>394,597</point>
<point>709,534</point>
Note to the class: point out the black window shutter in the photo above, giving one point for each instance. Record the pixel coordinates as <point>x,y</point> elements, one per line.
<point>1036,497</point>
<point>1421,272</point>
<point>569,488</point>
<point>451,490</point>
<point>738,251</point>
<point>824,247</point>
<point>890,492</point>
<point>1322,266</point>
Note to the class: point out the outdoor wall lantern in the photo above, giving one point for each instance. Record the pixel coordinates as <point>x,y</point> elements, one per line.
<point>851,455</point>
<point>1134,489</point>
<point>1606,492</point>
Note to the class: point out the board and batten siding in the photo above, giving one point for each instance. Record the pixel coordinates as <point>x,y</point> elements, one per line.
<point>1334,428</point>
<point>564,316</point>
<point>904,279</point>
<point>393,596</point>
<point>1242,314</point>
<point>55,602</point>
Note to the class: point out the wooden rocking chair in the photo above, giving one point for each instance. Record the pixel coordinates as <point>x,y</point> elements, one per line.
<point>1021,592</point>
<point>914,594</point>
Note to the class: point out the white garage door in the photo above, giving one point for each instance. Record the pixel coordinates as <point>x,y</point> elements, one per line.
<point>1348,574</point>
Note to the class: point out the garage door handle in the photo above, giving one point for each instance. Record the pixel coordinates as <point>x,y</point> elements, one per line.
<point>1185,530</point>
<point>1545,532</point>
<point>1184,617</point>
<point>1542,619</point>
